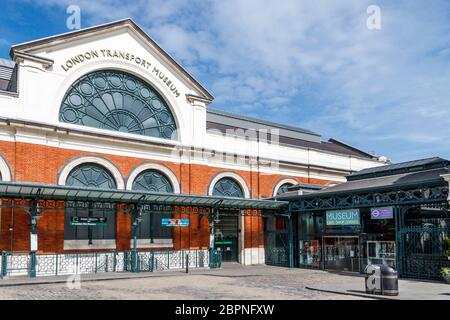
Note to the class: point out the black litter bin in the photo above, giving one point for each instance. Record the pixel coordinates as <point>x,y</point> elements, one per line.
<point>381,279</point>
<point>389,281</point>
<point>373,279</point>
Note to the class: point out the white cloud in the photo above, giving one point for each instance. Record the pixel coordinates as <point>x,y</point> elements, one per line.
<point>312,63</point>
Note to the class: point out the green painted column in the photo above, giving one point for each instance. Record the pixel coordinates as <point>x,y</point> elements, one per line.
<point>137,218</point>
<point>34,217</point>
<point>32,248</point>
<point>212,217</point>
<point>134,250</point>
<point>398,218</point>
<point>291,242</point>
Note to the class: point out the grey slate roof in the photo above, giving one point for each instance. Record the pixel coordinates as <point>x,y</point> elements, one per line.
<point>211,111</point>
<point>295,191</point>
<point>404,167</point>
<point>7,63</point>
<point>386,182</point>
<point>288,135</point>
<point>6,73</point>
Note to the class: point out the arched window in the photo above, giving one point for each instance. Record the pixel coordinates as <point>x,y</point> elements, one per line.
<point>118,101</point>
<point>228,187</point>
<point>152,181</point>
<point>5,172</point>
<point>150,231</point>
<point>284,188</point>
<point>90,175</point>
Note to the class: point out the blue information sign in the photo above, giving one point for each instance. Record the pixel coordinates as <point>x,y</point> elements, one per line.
<point>175,222</point>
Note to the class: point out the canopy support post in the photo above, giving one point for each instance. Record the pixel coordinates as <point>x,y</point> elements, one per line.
<point>136,216</point>
<point>34,216</point>
<point>214,215</point>
<point>291,239</point>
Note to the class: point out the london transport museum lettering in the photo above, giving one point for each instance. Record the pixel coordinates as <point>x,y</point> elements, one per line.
<point>121,55</point>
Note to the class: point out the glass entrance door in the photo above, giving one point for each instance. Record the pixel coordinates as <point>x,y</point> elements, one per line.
<point>226,237</point>
<point>341,253</point>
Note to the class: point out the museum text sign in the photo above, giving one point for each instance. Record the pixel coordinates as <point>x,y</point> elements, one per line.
<point>343,217</point>
<point>124,56</point>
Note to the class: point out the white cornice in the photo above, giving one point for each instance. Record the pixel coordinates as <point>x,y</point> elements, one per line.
<point>46,63</point>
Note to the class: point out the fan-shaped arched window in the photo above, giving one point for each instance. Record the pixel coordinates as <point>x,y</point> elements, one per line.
<point>90,175</point>
<point>228,187</point>
<point>152,181</point>
<point>284,188</point>
<point>150,229</point>
<point>118,101</point>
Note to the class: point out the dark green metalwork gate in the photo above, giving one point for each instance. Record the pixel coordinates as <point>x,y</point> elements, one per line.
<point>278,251</point>
<point>422,248</point>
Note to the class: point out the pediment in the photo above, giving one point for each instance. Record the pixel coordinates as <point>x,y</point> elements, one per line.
<point>123,41</point>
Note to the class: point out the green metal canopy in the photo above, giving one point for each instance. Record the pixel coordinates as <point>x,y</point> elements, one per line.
<point>54,192</point>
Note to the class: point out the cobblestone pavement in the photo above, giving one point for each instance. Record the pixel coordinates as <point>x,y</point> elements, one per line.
<point>233,282</point>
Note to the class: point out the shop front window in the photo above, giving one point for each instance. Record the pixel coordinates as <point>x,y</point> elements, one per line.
<point>310,253</point>
<point>381,252</point>
<point>310,230</point>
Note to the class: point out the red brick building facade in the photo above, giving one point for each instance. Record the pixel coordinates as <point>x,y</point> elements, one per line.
<point>48,128</point>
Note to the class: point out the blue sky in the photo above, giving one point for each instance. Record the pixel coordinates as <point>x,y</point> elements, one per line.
<point>312,64</point>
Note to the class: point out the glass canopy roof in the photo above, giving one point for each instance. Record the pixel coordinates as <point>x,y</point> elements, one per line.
<point>54,192</point>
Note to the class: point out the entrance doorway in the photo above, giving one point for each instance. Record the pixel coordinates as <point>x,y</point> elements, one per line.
<point>341,253</point>
<point>226,237</point>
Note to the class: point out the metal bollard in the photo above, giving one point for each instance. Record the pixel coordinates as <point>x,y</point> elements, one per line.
<point>187,262</point>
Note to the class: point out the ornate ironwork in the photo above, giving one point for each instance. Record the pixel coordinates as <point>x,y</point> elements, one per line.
<point>276,242</point>
<point>101,262</point>
<point>91,175</point>
<point>422,253</point>
<point>228,187</point>
<point>153,181</point>
<point>118,101</point>
<point>46,205</point>
<point>277,256</point>
<point>419,195</point>
<point>15,264</point>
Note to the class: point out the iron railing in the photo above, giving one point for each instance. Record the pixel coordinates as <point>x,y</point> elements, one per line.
<point>20,263</point>
<point>278,256</point>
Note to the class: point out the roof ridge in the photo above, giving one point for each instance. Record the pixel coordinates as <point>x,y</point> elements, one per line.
<point>391,168</point>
